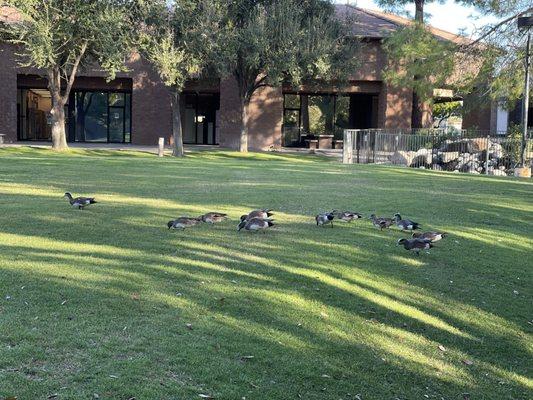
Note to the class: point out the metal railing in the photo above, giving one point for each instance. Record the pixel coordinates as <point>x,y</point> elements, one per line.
<point>473,151</point>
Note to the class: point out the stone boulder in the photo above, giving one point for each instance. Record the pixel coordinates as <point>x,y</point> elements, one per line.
<point>402,157</point>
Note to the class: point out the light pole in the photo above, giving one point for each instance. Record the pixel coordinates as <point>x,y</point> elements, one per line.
<point>525,23</point>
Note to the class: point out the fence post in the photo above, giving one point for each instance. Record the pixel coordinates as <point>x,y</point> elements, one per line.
<point>356,144</point>
<point>487,156</point>
<point>347,148</point>
<point>161,147</point>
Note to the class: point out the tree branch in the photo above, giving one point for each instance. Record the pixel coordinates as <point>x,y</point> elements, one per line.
<point>74,70</point>
<point>495,27</point>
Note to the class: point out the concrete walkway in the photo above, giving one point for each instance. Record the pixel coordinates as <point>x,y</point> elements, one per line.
<point>153,149</point>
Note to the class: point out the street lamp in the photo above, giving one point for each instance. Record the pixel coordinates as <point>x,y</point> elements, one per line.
<point>525,23</point>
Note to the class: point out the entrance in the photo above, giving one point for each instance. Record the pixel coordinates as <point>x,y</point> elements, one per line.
<point>199,118</point>
<point>100,117</point>
<point>33,110</point>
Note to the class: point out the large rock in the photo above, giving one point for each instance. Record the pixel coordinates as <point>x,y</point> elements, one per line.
<point>479,144</point>
<point>463,145</point>
<point>448,156</point>
<point>497,172</point>
<point>401,157</point>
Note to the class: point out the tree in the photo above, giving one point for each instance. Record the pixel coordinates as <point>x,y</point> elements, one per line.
<point>445,110</point>
<point>180,40</point>
<point>490,62</point>
<point>62,37</point>
<point>501,47</point>
<point>269,42</point>
<point>418,60</point>
<point>417,35</point>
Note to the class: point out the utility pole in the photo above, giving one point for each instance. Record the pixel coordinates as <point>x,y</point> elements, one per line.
<point>525,23</point>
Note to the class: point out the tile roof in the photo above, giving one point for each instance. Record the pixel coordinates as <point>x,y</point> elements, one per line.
<point>378,24</point>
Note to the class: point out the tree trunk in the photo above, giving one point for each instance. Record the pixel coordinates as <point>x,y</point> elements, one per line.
<point>417,105</point>
<point>417,111</point>
<point>304,98</point>
<point>243,143</point>
<point>59,138</point>
<point>419,11</point>
<point>177,131</point>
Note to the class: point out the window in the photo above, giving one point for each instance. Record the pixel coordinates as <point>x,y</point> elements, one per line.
<point>327,114</point>
<point>102,117</point>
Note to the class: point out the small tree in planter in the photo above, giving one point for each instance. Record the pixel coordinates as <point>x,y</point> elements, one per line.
<point>180,39</point>
<point>61,37</point>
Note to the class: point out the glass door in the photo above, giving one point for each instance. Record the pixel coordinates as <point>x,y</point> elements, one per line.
<point>102,117</point>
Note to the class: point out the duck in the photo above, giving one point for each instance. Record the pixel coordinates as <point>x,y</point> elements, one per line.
<point>262,214</point>
<point>405,224</point>
<point>183,222</point>
<point>381,222</point>
<point>255,224</point>
<point>346,216</point>
<point>415,244</point>
<point>324,218</point>
<point>213,217</point>
<point>79,202</point>
<point>432,236</point>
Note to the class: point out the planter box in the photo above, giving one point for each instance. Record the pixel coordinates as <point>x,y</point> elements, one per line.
<point>338,144</point>
<point>325,141</point>
<point>312,144</point>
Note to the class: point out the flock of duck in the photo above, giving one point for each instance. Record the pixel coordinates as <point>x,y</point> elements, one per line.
<point>260,220</point>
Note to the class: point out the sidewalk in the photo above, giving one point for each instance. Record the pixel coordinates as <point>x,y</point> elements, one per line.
<point>154,149</point>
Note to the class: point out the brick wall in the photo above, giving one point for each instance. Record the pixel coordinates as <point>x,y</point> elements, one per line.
<point>8,94</point>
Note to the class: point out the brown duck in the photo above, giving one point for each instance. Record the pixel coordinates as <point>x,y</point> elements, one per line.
<point>183,222</point>
<point>381,222</point>
<point>213,217</point>
<point>415,245</point>
<point>262,214</point>
<point>255,224</point>
<point>346,216</point>
<point>431,236</point>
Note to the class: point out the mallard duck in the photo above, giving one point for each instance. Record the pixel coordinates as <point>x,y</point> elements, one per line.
<point>381,222</point>
<point>415,244</point>
<point>255,224</point>
<point>262,214</point>
<point>324,218</point>
<point>432,236</point>
<point>405,224</point>
<point>213,217</point>
<point>183,222</point>
<point>79,202</point>
<point>346,216</point>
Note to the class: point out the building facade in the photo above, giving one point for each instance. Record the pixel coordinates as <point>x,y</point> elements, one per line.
<point>135,107</point>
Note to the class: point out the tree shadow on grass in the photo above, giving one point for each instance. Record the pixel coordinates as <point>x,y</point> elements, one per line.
<point>371,316</point>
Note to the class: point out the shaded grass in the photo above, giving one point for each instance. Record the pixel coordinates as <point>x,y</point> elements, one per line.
<point>99,300</point>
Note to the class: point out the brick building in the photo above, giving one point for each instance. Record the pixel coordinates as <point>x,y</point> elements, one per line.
<point>135,107</point>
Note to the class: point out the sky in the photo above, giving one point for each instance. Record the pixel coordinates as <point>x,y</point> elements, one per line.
<point>448,16</point>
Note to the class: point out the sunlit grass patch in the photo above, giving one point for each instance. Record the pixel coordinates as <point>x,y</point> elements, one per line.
<point>108,301</point>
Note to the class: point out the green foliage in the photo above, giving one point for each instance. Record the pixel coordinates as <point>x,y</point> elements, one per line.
<point>180,38</point>
<point>271,42</point>
<point>418,60</point>
<point>445,110</point>
<point>55,33</point>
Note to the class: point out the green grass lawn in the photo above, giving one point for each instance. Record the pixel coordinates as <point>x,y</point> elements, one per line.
<point>96,303</point>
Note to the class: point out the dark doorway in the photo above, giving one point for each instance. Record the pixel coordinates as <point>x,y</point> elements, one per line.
<point>199,111</point>
<point>363,111</point>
